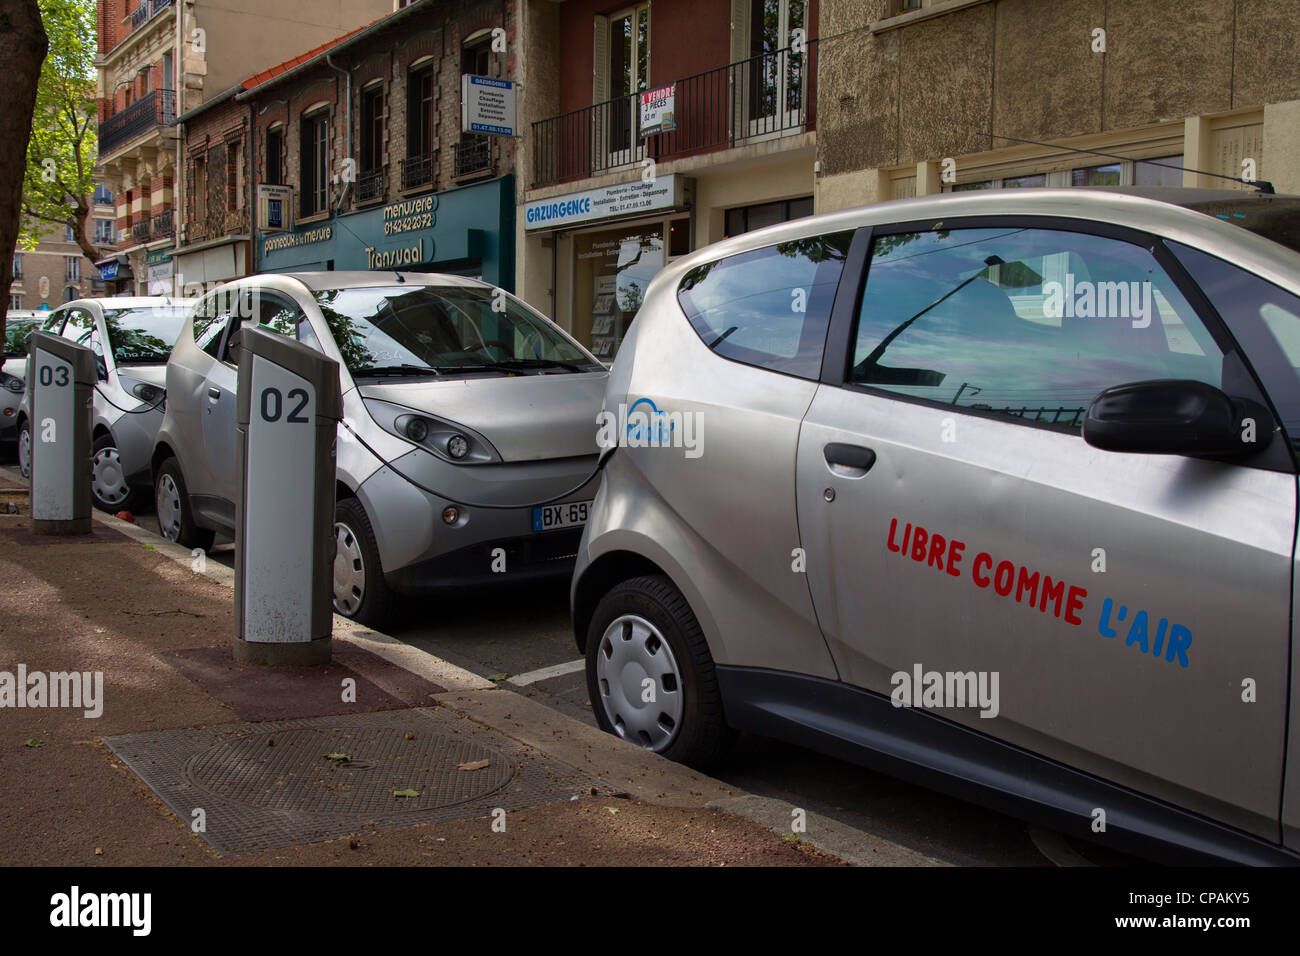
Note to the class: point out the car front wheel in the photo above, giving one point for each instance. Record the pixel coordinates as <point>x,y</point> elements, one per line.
<point>650,675</point>
<point>360,591</point>
<point>108,485</point>
<point>25,449</point>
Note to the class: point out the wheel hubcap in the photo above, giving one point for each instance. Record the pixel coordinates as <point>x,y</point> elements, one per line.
<point>639,682</point>
<point>349,571</point>
<point>107,481</point>
<point>25,453</point>
<point>168,506</point>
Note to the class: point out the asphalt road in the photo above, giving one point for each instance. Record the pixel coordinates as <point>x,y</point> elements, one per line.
<point>511,632</point>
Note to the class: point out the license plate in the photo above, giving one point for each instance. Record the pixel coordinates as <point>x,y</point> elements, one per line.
<point>551,517</point>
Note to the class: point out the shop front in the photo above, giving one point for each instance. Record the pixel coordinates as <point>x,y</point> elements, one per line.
<point>608,244</point>
<point>467,231</point>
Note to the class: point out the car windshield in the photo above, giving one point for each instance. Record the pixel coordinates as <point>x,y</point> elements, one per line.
<point>1275,218</point>
<point>447,329</point>
<point>143,335</point>
<point>16,332</point>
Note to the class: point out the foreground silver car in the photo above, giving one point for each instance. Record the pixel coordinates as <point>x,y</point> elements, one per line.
<point>993,491</point>
<point>463,411</point>
<point>18,325</point>
<point>132,338</point>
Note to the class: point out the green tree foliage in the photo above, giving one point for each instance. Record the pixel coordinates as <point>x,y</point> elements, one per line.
<point>63,147</point>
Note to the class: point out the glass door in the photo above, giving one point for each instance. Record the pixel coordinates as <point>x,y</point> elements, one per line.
<point>629,76</point>
<point>777,74</point>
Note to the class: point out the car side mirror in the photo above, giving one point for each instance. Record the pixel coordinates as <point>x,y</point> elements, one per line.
<point>1176,417</point>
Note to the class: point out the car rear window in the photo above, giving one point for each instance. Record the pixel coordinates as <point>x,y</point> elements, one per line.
<point>768,307</point>
<point>1276,218</point>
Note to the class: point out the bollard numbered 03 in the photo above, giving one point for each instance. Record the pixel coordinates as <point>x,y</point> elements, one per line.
<point>61,379</point>
<point>289,406</point>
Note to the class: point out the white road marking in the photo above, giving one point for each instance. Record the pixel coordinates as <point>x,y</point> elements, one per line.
<point>546,673</point>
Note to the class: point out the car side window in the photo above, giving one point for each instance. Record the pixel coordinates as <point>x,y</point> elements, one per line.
<point>1264,318</point>
<point>277,313</point>
<point>210,338</point>
<point>1023,322</point>
<point>79,323</point>
<point>54,324</point>
<point>307,336</point>
<point>768,307</point>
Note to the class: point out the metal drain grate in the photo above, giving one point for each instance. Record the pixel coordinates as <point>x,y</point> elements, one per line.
<point>269,785</point>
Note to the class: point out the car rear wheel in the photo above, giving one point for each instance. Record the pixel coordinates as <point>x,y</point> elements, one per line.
<point>650,675</point>
<point>172,504</point>
<point>25,448</point>
<point>108,485</point>
<point>360,591</point>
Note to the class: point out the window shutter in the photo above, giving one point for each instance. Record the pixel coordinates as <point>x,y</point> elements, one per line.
<point>740,10</point>
<point>600,61</point>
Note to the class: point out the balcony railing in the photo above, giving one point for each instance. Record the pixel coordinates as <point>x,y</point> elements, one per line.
<point>147,113</point>
<point>766,96</point>
<point>147,10</point>
<point>370,185</point>
<point>140,231</point>
<point>164,224</point>
<point>473,155</point>
<point>417,171</point>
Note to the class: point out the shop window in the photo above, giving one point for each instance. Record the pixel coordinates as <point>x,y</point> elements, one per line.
<point>768,307</point>
<point>1145,174</point>
<point>679,238</point>
<point>748,218</point>
<point>275,156</point>
<point>315,163</point>
<point>614,268</point>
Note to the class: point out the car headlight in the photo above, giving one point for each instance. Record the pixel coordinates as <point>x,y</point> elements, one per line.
<point>447,440</point>
<point>11,382</point>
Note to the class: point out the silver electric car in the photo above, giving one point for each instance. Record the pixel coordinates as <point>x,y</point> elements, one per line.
<point>467,450</point>
<point>995,491</point>
<point>18,325</point>
<point>132,338</point>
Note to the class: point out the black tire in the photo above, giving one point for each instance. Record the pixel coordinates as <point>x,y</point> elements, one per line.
<point>374,606</point>
<point>702,735</point>
<point>133,499</point>
<point>25,435</point>
<point>186,532</point>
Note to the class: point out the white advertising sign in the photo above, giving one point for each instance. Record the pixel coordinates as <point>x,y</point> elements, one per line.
<point>659,110</point>
<point>662,192</point>
<point>487,105</point>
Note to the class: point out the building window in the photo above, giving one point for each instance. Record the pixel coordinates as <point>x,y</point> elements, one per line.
<point>747,218</point>
<point>315,162</point>
<point>419,112</point>
<point>71,293</point>
<point>18,265</point>
<point>1144,174</point>
<point>613,269</point>
<point>372,128</point>
<point>15,301</point>
<point>103,232</point>
<point>72,269</point>
<point>234,177</point>
<point>275,156</point>
<point>102,196</point>
<point>69,234</point>
<point>200,196</point>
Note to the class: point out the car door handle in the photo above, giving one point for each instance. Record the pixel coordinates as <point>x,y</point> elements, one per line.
<point>852,461</point>
<point>214,393</point>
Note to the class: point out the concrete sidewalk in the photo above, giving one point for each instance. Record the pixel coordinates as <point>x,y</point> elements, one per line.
<point>387,756</point>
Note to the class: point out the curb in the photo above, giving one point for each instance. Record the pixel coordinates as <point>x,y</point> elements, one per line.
<point>642,775</point>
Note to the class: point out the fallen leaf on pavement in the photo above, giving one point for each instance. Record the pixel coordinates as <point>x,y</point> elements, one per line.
<point>473,765</point>
<point>33,742</point>
<point>406,793</point>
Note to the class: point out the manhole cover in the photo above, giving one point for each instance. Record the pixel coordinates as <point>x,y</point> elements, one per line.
<point>251,796</point>
<point>295,771</point>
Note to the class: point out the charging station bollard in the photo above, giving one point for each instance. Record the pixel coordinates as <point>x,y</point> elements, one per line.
<point>62,375</point>
<point>289,406</point>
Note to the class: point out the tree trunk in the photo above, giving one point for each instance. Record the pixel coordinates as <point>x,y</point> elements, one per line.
<point>23,45</point>
<point>83,223</point>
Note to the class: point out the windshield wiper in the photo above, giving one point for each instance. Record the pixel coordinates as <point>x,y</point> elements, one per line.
<point>404,369</point>
<point>541,363</point>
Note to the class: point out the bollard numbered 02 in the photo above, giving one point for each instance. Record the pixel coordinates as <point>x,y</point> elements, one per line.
<point>289,406</point>
<point>62,375</point>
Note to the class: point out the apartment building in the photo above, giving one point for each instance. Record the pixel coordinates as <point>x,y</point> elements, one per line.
<point>57,271</point>
<point>160,58</point>
<point>653,128</point>
<point>925,96</point>
<point>351,155</point>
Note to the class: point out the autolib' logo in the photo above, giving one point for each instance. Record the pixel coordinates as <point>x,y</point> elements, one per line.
<point>644,425</point>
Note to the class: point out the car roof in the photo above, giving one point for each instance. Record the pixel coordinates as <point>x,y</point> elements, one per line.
<point>358,279</point>
<point>1163,211</point>
<point>126,302</point>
